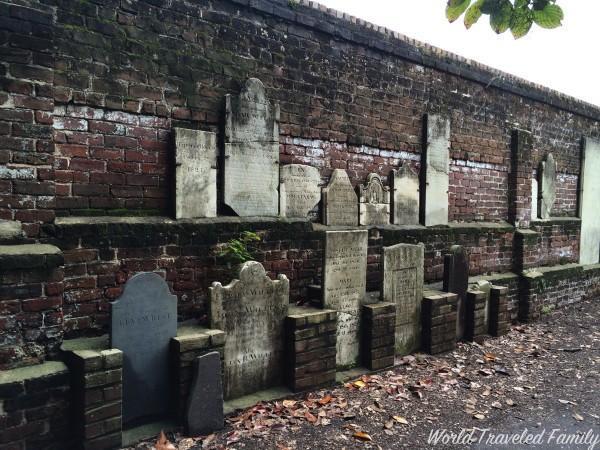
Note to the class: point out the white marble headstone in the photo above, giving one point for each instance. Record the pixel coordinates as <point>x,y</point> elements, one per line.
<point>437,169</point>
<point>340,202</point>
<point>299,190</point>
<point>589,211</point>
<point>374,206</point>
<point>547,186</point>
<point>405,196</point>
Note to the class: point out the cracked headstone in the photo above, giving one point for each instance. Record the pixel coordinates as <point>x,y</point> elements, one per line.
<point>374,206</point>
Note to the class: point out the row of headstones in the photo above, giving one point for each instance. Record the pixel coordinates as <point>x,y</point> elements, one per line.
<point>251,310</point>
<point>254,184</point>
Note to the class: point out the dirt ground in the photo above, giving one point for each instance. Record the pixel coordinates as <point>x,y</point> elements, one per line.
<point>540,382</point>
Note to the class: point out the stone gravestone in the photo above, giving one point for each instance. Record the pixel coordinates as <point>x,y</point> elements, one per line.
<point>251,311</point>
<point>195,174</point>
<point>534,199</point>
<point>374,206</point>
<point>405,196</point>
<point>344,288</point>
<point>205,406</point>
<point>403,277</point>
<point>251,167</point>
<point>547,186</point>
<point>589,211</point>
<point>437,167</point>
<point>299,190</point>
<point>456,281</point>
<point>340,203</point>
<point>143,321</point>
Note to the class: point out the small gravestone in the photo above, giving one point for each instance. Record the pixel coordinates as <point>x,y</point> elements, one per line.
<point>143,321</point>
<point>299,190</point>
<point>251,168</point>
<point>403,276</point>
<point>195,174</point>
<point>205,406</point>
<point>251,311</point>
<point>547,186</point>
<point>340,203</point>
<point>437,168</point>
<point>344,288</point>
<point>374,207</point>
<point>405,196</point>
<point>456,281</point>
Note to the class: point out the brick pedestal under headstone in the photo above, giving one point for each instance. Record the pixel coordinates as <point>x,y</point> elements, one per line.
<point>476,309</point>
<point>499,323</point>
<point>378,337</point>
<point>438,314</point>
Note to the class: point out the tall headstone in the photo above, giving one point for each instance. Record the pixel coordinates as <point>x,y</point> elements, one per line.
<point>456,281</point>
<point>405,196</point>
<point>299,190</point>
<point>534,199</point>
<point>251,167</point>
<point>204,413</point>
<point>143,321</point>
<point>436,167</point>
<point>344,288</point>
<point>374,206</point>
<point>251,311</point>
<point>195,174</point>
<point>340,203</point>
<point>588,204</point>
<point>403,277</point>
<point>547,186</point>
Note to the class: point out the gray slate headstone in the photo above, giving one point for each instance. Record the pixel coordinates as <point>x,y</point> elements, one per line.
<point>251,311</point>
<point>344,288</point>
<point>299,190</point>
<point>437,169</point>
<point>403,276</point>
<point>588,205</point>
<point>251,168</point>
<point>547,186</point>
<point>195,174</point>
<point>456,281</point>
<point>340,203</point>
<point>405,196</point>
<point>143,321</point>
<point>204,413</point>
<point>374,206</point>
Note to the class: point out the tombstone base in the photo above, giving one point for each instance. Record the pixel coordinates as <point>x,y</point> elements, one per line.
<point>475,328</point>
<point>311,348</point>
<point>499,323</point>
<point>438,314</point>
<point>379,339</point>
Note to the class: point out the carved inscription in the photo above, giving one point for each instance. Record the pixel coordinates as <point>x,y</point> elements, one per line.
<point>251,311</point>
<point>437,168</point>
<point>340,202</point>
<point>299,190</point>
<point>344,288</point>
<point>195,174</point>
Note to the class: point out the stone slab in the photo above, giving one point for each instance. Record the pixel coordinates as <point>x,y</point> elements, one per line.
<point>535,192</point>
<point>251,167</point>
<point>299,190</point>
<point>344,288</point>
<point>402,284</point>
<point>588,205</point>
<point>340,202</point>
<point>437,169</point>
<point>456,281</point>
<point>374,202</point>
<point>405,196</point>
<point>205,407</point>
<point>485,287</point>
<point>251,311</point>
<point>142,322</point>
<point>195,174</point>
<point>547,187</point>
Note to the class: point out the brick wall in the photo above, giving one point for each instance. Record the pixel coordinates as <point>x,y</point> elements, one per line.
<point>558,241</point>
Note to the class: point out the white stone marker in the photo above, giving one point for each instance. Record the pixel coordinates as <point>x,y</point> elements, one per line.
<point>437,168</point>
<point>403,275</point>
<point>547,186</point>
<point>344,288</point>
<point>251,168</point>
<point>405,196</point>
<point>589,210</point>
<point>251,311</point>
<point>195,174</point>
<point>374,206</point>
<point>340,202</point>
<point>299,190</point>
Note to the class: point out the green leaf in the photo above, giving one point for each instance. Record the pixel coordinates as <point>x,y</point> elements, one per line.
<point>538,5</point>
<point>473,13</point>
<point>489,6</point>
<point>549,17</point>
<point>521,22</point>
<point>521,4</point>
<point>501,17</point>
<point>455,9</point>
